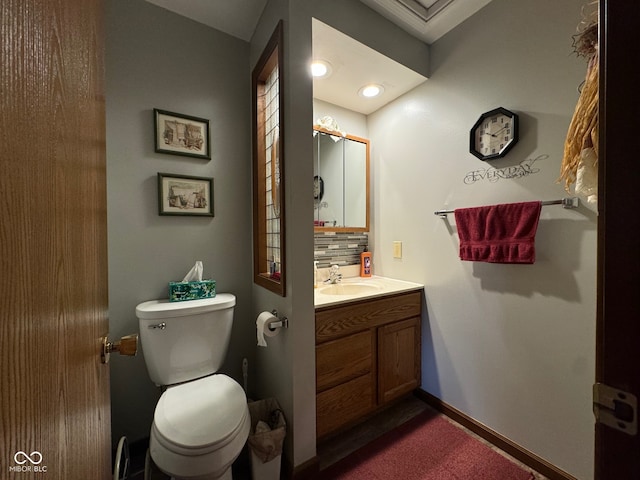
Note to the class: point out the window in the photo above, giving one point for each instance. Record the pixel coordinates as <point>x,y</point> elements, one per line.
<point>268,168</point>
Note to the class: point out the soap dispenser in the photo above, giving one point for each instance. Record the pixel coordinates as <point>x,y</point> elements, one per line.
<point>315,274</point>
<point>365,263</point>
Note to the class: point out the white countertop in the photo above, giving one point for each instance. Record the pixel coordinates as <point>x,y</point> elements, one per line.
<point>357,288</point>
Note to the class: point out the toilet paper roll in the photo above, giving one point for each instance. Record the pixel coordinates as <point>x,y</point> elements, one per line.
<point>262,326</point>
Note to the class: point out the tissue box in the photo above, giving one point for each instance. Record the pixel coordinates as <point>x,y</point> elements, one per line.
<point>181,291</point>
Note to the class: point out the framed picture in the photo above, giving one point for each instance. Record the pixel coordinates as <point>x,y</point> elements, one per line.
<point>185,195</point>
<point>179,134</point>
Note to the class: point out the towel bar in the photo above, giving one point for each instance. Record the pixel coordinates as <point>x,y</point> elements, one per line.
<point>569,202</point>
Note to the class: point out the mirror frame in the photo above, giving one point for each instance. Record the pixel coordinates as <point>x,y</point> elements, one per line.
<point>367,179</point>
<point>268,168</point>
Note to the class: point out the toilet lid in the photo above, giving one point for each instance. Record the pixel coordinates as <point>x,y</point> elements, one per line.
<point>201,413</point>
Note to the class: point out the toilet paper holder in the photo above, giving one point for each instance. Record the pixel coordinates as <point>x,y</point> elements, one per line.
<point>281,323</point>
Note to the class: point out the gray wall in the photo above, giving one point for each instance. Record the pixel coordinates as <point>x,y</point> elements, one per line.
<point>512,346</point>
<point>156,59</point>
<point>286,369</point>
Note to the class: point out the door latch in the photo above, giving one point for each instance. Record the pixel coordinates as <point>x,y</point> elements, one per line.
<point>127,345</point>
<point>615,408</point>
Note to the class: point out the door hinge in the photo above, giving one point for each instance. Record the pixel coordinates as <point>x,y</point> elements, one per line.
<point>615,408</point>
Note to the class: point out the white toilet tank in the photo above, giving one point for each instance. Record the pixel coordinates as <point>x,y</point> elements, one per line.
<point>182,341</point>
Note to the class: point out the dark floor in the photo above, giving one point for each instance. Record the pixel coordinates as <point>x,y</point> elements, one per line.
<point>328,452</point>
<point>331,451</point>
<point>336,448</point>
<point>241,467</point>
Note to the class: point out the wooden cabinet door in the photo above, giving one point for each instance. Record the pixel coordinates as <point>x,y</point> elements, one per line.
<point>398,359</point>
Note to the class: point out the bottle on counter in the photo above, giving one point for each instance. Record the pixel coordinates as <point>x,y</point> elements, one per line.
<point>365,263</point>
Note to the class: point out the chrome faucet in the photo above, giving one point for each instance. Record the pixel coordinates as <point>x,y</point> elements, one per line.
<point>334,275</point>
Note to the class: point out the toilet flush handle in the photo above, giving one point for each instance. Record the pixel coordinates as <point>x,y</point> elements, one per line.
<point>127,345</point>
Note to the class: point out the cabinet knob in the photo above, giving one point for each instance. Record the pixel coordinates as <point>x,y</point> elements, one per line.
<point>127,345</point>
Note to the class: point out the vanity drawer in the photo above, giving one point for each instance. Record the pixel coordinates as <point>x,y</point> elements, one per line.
<point>345,403</point>
<point>335,322</point>
<point>342,360</point>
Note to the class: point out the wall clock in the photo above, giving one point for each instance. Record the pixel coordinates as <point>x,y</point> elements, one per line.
<point>318,188</point>
<point>494,134</point>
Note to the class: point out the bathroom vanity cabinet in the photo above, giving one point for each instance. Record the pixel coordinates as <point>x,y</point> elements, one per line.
<point>367,355</point>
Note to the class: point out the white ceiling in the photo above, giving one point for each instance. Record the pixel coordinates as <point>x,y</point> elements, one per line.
<point>353,64</point>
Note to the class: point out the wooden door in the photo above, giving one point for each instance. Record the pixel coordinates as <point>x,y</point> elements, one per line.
<point>54,392</point>
<point>618,334</point>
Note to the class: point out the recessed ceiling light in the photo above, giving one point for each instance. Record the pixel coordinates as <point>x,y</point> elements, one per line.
<point>320,69</point>
<point>371,90</point>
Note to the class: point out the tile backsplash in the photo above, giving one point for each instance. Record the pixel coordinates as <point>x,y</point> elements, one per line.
<point>338,248</point>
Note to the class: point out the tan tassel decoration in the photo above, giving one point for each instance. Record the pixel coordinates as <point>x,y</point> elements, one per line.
<point>582,136</point>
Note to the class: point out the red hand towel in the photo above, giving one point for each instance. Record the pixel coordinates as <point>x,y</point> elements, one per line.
<point>499,233</point>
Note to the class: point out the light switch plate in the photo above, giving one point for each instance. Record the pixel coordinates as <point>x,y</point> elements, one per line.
<point>397,249</point>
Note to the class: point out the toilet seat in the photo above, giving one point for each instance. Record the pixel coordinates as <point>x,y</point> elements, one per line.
<point>200,416</point>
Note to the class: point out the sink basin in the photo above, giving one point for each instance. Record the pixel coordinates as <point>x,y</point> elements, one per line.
<point>348,289</point>
<point>352,289</point>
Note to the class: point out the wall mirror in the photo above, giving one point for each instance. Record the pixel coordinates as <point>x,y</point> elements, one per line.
<point>268,168</point>
<point>340,181</point>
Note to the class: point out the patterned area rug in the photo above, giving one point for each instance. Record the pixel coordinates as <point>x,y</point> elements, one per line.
<point>427,447</point>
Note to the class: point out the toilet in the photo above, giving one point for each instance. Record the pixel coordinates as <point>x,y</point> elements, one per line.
<point>201,421</point>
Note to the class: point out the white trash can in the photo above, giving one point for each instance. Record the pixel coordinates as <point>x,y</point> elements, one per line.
<point>266,438</point>
<point>265,471</point>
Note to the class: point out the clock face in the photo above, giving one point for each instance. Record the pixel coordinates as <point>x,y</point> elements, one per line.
<point>494,134</point>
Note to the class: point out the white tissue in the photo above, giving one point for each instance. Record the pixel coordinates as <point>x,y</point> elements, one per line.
<point>262,427</point>
<point>262,326</point>
<point>195,274</point>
